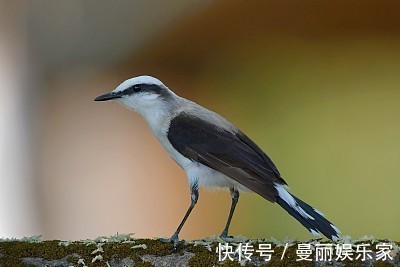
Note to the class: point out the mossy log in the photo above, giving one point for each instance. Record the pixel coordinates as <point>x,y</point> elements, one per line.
<point>123,250</point>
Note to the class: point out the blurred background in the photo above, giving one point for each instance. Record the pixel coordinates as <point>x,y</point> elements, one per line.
<point>315,83</point>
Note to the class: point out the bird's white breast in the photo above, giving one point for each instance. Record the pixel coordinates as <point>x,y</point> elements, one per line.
<point>159,124</point>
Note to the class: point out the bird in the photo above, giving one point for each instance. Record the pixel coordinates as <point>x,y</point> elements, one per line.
<point>212,152</point>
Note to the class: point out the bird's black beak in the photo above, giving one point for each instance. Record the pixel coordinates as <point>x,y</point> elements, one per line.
<point>108,96</point>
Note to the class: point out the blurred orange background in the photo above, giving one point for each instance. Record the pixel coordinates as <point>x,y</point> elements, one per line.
<point>315,83</point>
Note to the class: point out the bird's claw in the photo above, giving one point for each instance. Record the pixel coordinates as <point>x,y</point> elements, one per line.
<point>225,236</point>
<point>174,240</point>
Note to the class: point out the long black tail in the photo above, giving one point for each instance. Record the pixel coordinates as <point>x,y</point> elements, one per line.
<point>309,217</point>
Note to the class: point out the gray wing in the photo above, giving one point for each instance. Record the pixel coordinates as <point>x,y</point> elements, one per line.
<point>231,153</point>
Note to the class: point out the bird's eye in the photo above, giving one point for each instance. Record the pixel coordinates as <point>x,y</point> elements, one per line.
<point>137,88</point>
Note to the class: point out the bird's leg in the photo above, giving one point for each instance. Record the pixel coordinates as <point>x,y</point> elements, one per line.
<point>194,195</point>
<point>235,199</point>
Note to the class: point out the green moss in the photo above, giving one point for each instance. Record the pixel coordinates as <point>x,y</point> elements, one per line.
<point>72,259</point>
<point>117,250</point>
<point>289,258</point>
<point>15,250</point>
<point>202,257</point>
<point>157,247</point>
<point>12,253</point>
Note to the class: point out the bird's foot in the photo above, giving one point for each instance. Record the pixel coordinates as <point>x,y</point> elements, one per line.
<point>225,235</point>
<point>174,240</point>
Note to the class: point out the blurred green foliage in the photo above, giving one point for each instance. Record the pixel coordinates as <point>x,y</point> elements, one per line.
<point>327,112</point>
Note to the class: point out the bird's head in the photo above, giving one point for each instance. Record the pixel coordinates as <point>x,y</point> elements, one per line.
<point>142,94</point>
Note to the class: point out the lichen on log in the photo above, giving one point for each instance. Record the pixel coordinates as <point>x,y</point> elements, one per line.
<point>124,250</point>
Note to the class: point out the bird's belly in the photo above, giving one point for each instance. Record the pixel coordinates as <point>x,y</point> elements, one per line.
<point>210,178</point>
<point>197,172</point>
<point>173,153</point>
